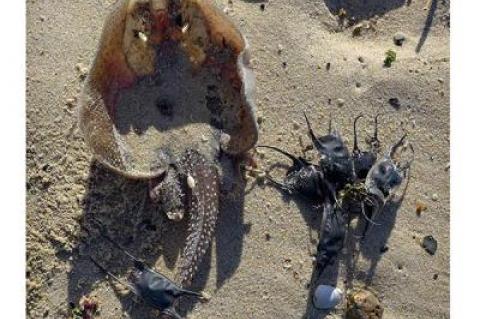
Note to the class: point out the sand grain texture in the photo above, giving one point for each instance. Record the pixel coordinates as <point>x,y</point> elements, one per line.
<point>247,275</point>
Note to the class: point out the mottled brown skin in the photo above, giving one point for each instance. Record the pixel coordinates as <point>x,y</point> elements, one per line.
<point>201,202</point>
<point>127,53</point>
<point>202,205</point>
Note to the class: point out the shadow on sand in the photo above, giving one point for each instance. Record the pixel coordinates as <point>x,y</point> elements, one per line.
<point>360,10</point>
<point>371,248</point>
<point>135,222</point>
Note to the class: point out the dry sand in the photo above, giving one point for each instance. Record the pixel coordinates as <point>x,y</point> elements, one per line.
<point>247,275</point>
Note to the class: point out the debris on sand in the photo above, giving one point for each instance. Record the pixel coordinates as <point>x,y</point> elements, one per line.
<point>363,304</point>
<point>430,244</point>
<point>88,308</point>
<point>390,57</point>
<point>394,102</point>
<point>399,38</point>
<point>420,208</point>
<point>327,297</point>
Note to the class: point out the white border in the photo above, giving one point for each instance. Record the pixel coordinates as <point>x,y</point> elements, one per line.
<point>465,162</point>
<point>12,116</point>
<point>465,187</point>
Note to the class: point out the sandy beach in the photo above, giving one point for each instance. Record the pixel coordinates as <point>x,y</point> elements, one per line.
<point>307,56</point>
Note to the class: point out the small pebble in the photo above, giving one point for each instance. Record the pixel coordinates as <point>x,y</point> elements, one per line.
<point>70,102</point>
<point>420,208</point>
<point>296,125</point>
<point>287,263</point>
<point>430,244</point>
<point>279,49</point>
<point>262,7</point>
<point>399,38</point>
<point>361,59</point>
<point>82,70</point>
<point>328,66</point>
<point>340,102</point>
<point>435,197</point>
<point>260,119</point>
<point>190,182</point>
<point>394,102</point>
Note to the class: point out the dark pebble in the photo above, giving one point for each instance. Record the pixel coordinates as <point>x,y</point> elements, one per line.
<point>384,249</point>
<point>262,7</point>
<point>284,64</point>
<point>394,102</point>
<point>430,244</point>
<point>435,276</point>
<point>399,38</point>
<point>328,66</point>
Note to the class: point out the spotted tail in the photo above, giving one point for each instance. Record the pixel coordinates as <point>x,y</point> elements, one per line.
<point>203,200</point>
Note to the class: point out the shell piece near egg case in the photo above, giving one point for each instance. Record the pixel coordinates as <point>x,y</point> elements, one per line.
<point>327,297</point>
<point>168,75</point>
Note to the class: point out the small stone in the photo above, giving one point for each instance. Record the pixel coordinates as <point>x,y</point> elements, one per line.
<point>399,38</point>
<point>82,70</point>
<point>284,64</point>
<point>70,102</point>
<point>358,84</point>
<point>328,66</point>
<point>205,296</point>
<point>279,49</point>
<point>361,59</point>
<point>420,208</point>
<point>175,216</point>
<point>268,236</point>
<point>435,276</point>
<point>435,197</point>
<point>190,182</point>
<point>430,244</point>
<point>441,80</point>
<point>287,263</point>
<point>384,249</point>
<point>262,6</point>
<point>340,102</point>
<point>42,18</point>
<point>394,102</point>
<point>260,119</point>
<point>447,167</point>
<point>296,125</point>
<point>357,30</point>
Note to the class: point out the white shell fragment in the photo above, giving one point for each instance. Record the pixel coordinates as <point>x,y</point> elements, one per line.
<point>190,182</point>
<point>175,216</point>
<point>327,297</point>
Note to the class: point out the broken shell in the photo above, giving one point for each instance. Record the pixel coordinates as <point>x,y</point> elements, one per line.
<point>363,304</point>
<point>190,182</point>
<point>175,216</point>
<point>327,297</point>
<point>188,65</point>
